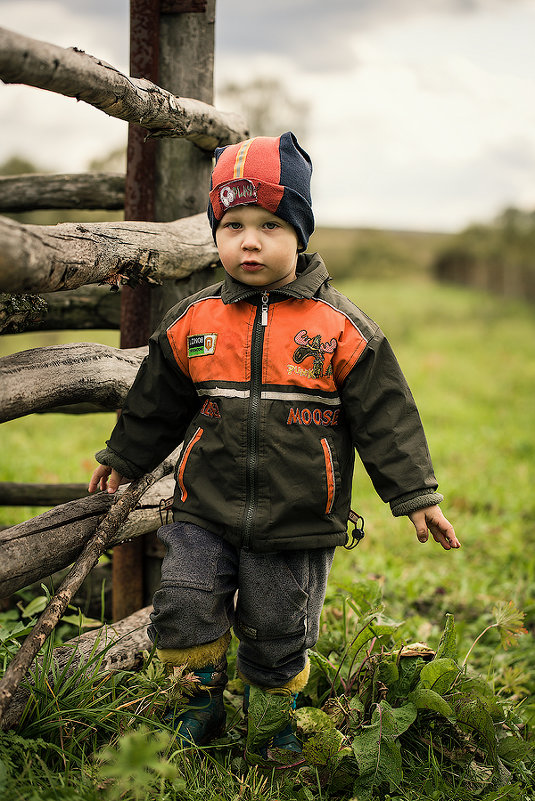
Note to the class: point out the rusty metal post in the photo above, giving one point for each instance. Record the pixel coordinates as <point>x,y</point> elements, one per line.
<point>127,565</point>
<point>172,45</point>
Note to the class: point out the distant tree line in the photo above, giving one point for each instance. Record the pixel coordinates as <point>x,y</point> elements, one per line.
<point>499,257</point>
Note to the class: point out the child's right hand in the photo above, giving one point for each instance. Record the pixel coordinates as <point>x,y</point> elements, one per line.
<point>106,478</point>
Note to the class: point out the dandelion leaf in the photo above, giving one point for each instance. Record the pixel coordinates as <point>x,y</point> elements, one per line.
<point>323,664</point>
<point>404,716</point>
<point>268,714</point>
<point>447,647</point>
<point>438,675</point>
<point>310,720</point>
<point>375,748</point>
<point>429,699</point>
<point>357,710</point>
<point>475,687</point>
<point>409,675</point>
<point>344,772</point>
<point>513,749</point>
<point>388,671</point>
<point>473,715</point>
<point>323,747</point>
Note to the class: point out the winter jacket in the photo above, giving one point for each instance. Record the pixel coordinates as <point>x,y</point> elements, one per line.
<point>270,393</point>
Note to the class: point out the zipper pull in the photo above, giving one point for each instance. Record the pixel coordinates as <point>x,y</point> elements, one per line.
<point>265,300</point>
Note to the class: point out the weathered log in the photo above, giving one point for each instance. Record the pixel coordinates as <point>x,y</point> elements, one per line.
<point>91,307</point>
<point>35,549</point>
<point>41,378</point>
<point>99,541</point>
<point>18,494</point>
<point>123,643</point>
<point>89,190</point>
<point>20,312</point>
<point>48,258</point>
<point>75,408</point>
<point>71,72</point>
<point>88,307</point>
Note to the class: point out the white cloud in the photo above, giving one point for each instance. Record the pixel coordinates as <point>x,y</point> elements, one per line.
<point>53,131</point>
<point>71,24</point>
<point>432,128</point>
<point>424,121</point>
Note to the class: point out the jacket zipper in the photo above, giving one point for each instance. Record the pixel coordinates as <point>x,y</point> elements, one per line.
<point>253,420</point>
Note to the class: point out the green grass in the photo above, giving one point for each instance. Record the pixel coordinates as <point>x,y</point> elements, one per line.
<point>50,448</point>
<point>470,361</point>
<point>469,358</point>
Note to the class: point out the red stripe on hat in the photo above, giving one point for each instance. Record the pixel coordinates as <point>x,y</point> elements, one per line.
<point>224,168</point>
<point>262,160</point>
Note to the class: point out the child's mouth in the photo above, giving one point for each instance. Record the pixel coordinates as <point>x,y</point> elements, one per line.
<point>251,266</point>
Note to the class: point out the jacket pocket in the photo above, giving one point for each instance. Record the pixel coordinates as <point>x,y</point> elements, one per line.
<point>330,475</point>
<point>181,466</point>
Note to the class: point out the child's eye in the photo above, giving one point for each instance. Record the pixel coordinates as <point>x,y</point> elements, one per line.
<point>234,226</point>
<point>270,225</point>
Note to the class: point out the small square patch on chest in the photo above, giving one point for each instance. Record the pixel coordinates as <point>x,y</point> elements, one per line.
<point>201,345</point>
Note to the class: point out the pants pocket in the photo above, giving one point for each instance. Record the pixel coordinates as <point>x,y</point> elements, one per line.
<point>192,556</point>
<point>271,602</point>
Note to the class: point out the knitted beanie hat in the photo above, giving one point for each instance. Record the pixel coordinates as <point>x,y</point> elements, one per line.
<point>272,172</point>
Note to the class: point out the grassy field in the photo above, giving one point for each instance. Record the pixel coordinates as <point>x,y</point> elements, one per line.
<point>470,361</point>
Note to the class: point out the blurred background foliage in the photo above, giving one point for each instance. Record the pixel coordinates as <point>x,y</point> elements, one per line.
<point>498,255</point>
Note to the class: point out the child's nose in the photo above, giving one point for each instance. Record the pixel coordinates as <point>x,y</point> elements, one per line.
<point>250,240</point>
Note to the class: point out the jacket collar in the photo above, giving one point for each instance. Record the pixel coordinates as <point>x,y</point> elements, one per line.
<point>311,274</point>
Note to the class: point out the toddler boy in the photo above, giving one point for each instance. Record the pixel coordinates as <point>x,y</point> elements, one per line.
<point>271,379</point>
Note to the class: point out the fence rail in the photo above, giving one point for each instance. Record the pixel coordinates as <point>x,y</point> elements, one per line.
<point>73,73</point>
<point>73,259</point>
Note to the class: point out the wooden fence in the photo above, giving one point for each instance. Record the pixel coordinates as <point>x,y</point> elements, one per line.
<point>63,276</point>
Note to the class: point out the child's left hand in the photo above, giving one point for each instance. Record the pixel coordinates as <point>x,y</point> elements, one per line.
<point>431,519</point>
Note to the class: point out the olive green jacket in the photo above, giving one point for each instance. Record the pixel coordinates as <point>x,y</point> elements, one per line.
<point>271,393</point>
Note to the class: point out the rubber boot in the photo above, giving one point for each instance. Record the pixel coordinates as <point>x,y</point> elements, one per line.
<point>203,720</point>
<point>278,704</point>
<point>204,717</point>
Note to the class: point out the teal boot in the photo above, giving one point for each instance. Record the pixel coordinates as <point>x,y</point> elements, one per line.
<point>204,718</point>
<point>271,727</point>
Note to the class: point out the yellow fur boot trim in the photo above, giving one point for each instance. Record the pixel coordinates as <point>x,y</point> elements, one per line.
<point>298,682</point>
<point>199,656</point>
<point>294,685</point>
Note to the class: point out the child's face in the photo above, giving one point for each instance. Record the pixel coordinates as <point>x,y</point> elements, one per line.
<point>256,247</point>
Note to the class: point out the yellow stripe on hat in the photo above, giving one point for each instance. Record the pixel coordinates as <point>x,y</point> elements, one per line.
<point>239,164</point>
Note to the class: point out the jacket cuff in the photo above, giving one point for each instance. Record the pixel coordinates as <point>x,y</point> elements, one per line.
<point>125,468</point>
<point>413,501</point>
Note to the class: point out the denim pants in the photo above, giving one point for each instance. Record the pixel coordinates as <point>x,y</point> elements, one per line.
<point>273,601</point>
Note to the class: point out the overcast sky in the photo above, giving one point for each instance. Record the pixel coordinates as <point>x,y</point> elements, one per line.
<point>422,114</point>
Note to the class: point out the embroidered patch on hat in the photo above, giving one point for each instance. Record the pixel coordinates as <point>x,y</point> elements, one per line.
<point>201,345</point>
<point>237,192</point>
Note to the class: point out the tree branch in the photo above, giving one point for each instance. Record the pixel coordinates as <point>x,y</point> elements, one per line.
<point>71,72</point>
<point>123,644</point>
<point>49,258</point>
<point>51,541</point>
<point>85,562</point>
<point>90,190</point>
<point>43,378</point>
